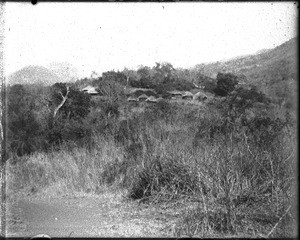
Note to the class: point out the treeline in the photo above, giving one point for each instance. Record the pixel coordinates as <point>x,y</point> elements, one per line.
<point>164,77</point>
<point>161,77</point>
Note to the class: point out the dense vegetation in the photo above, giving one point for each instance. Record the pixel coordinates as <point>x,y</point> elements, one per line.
<point>235,154</point>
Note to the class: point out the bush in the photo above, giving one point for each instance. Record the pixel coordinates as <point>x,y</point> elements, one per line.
<point>76,106</point>
<point>23,129</point>
<point>225,83</point>
<point>164,177</point>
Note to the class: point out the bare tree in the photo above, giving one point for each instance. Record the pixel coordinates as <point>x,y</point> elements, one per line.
<point>64,98</point>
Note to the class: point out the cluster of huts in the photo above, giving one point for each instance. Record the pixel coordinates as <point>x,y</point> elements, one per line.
<point>197,96</point>
<point>144,98</point>
<point>189,95</point>
<point>138,95</point>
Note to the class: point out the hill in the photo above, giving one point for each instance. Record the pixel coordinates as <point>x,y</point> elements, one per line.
<point>64,70</point>
<point>33,75</point>
<point>256,63</point>
<point>273,71</point>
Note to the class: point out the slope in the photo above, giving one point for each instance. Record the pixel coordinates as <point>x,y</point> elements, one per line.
<point>33,75</point>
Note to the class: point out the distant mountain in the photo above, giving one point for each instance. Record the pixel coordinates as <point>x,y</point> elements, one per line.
<point>33,75</point>
<point>65,71</point>
<point>55,72</point>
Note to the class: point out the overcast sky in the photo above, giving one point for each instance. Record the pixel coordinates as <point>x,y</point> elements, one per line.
<point>105,36</point>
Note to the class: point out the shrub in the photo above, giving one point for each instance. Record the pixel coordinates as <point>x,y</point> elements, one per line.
<point>23,129</point>
<point>163,177</point>
<point>225,83</point>
<point>76,106</point>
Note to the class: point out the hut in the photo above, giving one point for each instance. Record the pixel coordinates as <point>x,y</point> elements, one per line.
<point>151,99</point>
<point>199,96</point>
<point>142,97</point>
<point>187,95</point>
<point>159,99</point>
<point>90,90</point>
<point>132,99</point>
<point>176,94</point>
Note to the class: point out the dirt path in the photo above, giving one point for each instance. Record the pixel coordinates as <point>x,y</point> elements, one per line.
<point>104,215</point>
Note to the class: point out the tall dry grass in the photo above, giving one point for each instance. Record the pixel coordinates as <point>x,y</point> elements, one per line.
<point>66,170</point>
<point>242,188</point>
<point>249,191</point>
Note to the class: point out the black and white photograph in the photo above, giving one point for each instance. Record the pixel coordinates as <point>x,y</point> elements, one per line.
<point>149,119</point>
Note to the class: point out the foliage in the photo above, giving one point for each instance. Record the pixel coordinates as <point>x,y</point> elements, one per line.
<point>225,83</point>
<point>161,110</point>
<point>21,123</point>
<point>114,94</point>
<point>145,78</point>
<point>112,76</point>
<point>163,176</point>
<point>77,105</point>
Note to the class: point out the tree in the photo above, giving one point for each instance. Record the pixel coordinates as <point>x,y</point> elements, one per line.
<point>68,107</point>
<point>112,76</point>
<point>226,83</point>
<point>163,74</point>
<point>132,77</point>
<point>69,102</point>
<point>114,93</point>
<point>144,73</point>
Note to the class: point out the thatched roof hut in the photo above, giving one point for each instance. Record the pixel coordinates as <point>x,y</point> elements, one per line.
<point>142,97</point>
<point>90,90</point>
<point>151,99</point>
<point>200,96</point>
<point>132,99</point>
<point>187,95</point>
<point>159,99</point>
<point>175,93</point>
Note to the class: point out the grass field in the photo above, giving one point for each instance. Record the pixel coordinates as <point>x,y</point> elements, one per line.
<point>242,189</point>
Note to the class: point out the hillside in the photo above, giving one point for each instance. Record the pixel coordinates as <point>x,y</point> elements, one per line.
<point>33,75</point>
<point>64,70</point>
<point>258,62</point>
<point>265,69</point>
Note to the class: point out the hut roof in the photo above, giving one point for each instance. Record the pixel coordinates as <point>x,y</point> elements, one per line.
<point>199,95</point>
<point>132,99</point>
<point>151,99</point>
<point>90,90</point>
<point>87,88</point>
<point>143,96</point>
<point>187,94</point>
<point>159,99</point>
<point>175,92</point>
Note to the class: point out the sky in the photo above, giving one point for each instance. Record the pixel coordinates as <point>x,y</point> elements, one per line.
<point>105,36</point>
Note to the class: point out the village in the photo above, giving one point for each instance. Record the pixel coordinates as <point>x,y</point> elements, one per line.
<point>195,96</point>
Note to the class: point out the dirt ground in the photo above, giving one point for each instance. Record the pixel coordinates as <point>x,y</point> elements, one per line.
<point>104,215</point>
